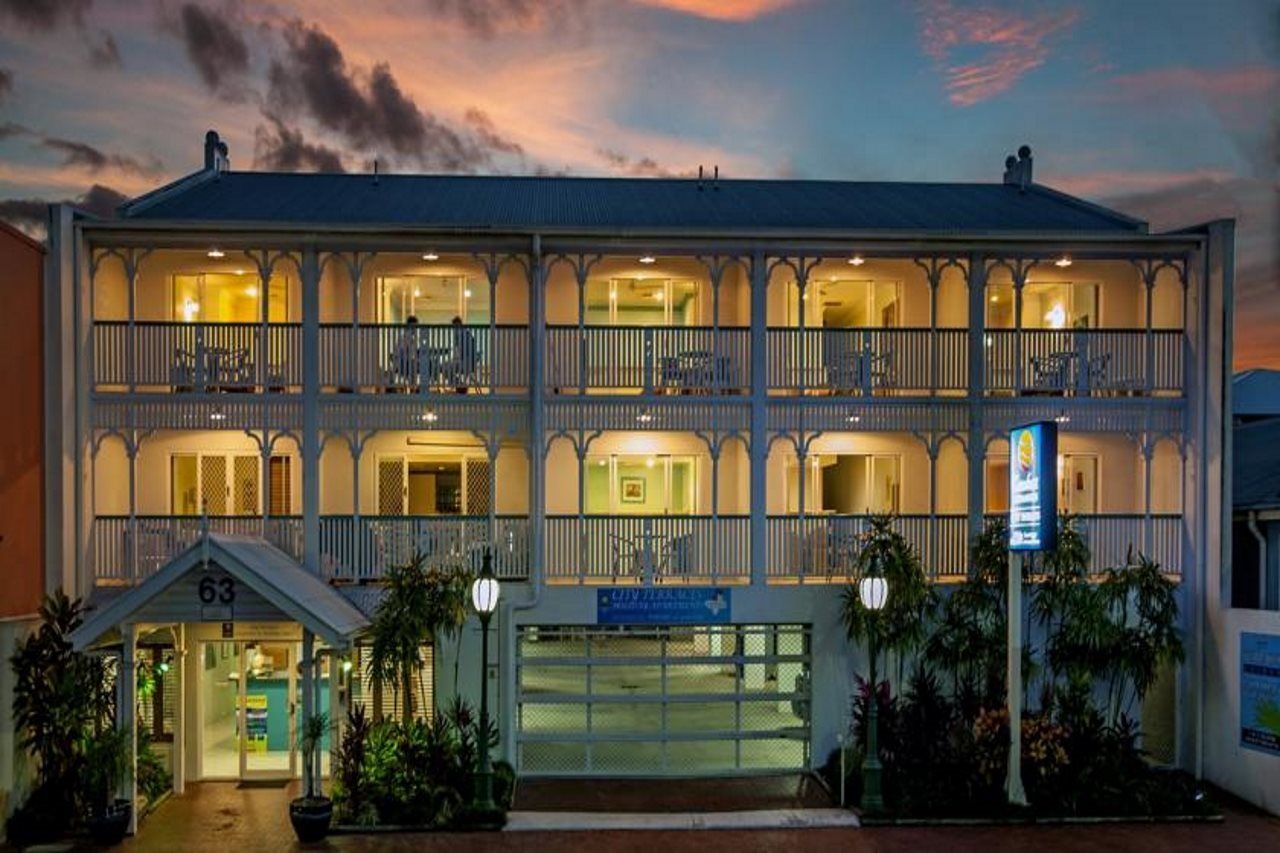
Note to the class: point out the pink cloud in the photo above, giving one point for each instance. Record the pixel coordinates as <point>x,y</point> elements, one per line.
<point>1114,182</point>
<point>723,10</point>
<point>1240,82</point>
<point>1008,45</point>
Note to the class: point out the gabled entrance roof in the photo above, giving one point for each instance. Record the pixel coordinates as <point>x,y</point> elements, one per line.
<point>274,579</point>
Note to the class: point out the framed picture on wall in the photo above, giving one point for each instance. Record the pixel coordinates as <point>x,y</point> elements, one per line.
<point>632,490</point>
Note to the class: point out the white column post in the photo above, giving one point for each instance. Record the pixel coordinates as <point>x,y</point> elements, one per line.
<point>131,450</point>
<point>310,409</point>
<point>975,446</point>
<point>537,414</point>
<point>180,715</point>
<point>308,702</point>
<point>127,714</point>
<point>759,438</point>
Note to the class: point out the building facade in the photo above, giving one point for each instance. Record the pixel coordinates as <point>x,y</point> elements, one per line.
<point>669,408</point>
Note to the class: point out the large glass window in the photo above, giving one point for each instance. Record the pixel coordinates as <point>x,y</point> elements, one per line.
<point>1045,305</point>
<point>847,304</point>
<point>641,302</point>
<point>234,297</point>
<point>433,485</point>
<point>433,300</point>
<point>847,484</point>
<point>654,484</point>
<point>227,484</point>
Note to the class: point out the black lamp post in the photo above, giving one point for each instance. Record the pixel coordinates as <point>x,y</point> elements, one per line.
<point>873,591</point>
<point>484,597</point>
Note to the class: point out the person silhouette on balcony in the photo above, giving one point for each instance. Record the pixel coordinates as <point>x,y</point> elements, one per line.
<point>464,355</point>
<point>405,357</point>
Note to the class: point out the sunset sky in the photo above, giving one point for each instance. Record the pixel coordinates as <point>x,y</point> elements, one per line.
<point>1165,110</point>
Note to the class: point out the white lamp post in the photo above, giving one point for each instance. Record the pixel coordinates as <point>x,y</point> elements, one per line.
<point>484,597</point>
<point>874,592</point>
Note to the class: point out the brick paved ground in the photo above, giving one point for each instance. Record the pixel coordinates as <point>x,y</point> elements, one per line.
<point>223,818</point>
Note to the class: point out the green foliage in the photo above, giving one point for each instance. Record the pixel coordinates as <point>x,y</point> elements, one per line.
<point>420,604</point>
<point>107,758</point>
<point>153,777</point>
<point>419,773</point>
<point>310,735</point>
<point>902,624</point>
<point>61,701</point>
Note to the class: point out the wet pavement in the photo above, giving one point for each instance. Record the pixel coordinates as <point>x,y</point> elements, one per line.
<point>224,818</point>
<point>789,791</point>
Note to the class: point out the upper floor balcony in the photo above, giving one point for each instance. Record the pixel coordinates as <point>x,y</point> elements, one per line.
<point>184,321</point>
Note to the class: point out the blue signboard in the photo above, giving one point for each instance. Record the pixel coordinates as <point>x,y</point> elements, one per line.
<point>1033,487</point>
<point>1260,692</point>
<point>646,605</point>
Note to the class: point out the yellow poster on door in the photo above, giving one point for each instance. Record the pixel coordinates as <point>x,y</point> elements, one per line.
<point>255,722</point>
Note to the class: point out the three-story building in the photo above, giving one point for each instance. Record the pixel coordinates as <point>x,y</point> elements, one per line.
<point>668,407</point>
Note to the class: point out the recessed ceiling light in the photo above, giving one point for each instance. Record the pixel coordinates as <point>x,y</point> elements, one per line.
<point>857,261</point>
<point>647,259</point>
<point>431,256</point>
<point>1064,262</point>
<point>216,253</point>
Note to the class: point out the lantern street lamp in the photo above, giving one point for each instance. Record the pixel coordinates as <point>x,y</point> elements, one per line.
<point>484,597</point>
<point>873,590</point>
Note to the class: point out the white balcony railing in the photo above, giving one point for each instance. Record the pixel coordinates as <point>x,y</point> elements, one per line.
<point>864,361</point>
<point>197,357</point>
<point>828,546</point>
<point>423,358</point>
<point>649,359</point>
<point>1083,361</point>
<point>631,548</point>
<point>364,548</point>
<point>128,550</point>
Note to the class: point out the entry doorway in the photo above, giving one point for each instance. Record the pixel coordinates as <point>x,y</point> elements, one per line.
<point>249,706</point>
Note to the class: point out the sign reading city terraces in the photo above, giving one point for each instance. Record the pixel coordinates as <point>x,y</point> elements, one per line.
<point>1033,487</point>
<point>683,605</point>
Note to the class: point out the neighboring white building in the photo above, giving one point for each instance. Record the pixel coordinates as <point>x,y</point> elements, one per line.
<point>695,386</point>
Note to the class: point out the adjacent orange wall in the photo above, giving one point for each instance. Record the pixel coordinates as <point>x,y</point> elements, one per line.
<point>21,424</point>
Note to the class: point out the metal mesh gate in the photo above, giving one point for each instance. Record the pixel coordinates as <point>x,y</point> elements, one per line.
<point>662,700</point>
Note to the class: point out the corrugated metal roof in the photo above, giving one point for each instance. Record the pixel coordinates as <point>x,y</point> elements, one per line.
<point>1255,466</point>
<point>619,204</point>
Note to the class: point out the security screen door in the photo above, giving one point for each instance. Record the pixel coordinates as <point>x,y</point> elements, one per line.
<point>662,700</point>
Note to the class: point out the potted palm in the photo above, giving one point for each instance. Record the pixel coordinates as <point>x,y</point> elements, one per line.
<point>106,764</point>
<point>311,813</point>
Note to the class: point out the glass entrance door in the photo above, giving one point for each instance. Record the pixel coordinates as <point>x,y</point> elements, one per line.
<point>268,703</point>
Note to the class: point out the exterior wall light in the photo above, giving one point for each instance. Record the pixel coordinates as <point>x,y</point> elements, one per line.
<point>1063,262</point>
<point>215,252</point>
<point>647,259</point>
<point>431,256</point>
<point>857,261</point>
<point>430,416</point>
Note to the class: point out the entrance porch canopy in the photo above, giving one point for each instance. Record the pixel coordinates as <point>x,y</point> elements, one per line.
<point>224,578</point>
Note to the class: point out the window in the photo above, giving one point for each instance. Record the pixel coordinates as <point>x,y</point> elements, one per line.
<point>386,701</point>
<point>848,484</point>
<point>641,302</point>
<point>641,484</point>
<point>1077,483</point>
<point>156,708</point>
<point>433,299</point>
<point>1045,305</point>
<point>433,485</point>
<point>847,304</point>
<point>227,484</point>
<point>229,298</point>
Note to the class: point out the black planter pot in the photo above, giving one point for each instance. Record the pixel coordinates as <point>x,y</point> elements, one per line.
<point>311,817</point>
<point>108,828</point>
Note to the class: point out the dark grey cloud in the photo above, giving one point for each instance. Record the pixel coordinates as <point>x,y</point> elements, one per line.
<point>643,167</point>
<point>103,50</point>
<point>45,15</point>
<point>215,44</point>
<point>487,18</point>
<point>31,214</point>
<point>86,156</point>
<point>369,109</point>
<point>484,128</point>
<point>280,149</point>
<point>6,83</point>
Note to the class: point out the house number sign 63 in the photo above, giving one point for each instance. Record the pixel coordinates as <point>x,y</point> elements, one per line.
<point>220,590</point>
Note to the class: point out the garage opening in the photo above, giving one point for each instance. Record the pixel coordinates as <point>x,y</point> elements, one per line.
<point>678,700</point>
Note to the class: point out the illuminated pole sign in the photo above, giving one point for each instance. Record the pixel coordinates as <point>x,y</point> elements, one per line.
<point>1033,487</point>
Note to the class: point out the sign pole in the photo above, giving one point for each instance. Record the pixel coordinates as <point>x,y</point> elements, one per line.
<point>1013,680</point>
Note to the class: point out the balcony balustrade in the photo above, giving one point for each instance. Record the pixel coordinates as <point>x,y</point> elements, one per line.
<point>647,549</point>
<point>364,548</point>
<point>1083,362</point>
<point>407,358</point>
<point>649,359</point>
<point>828,547</point>
<point>128,550</point>
<point>867,361</point>
<point>197,357</point>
